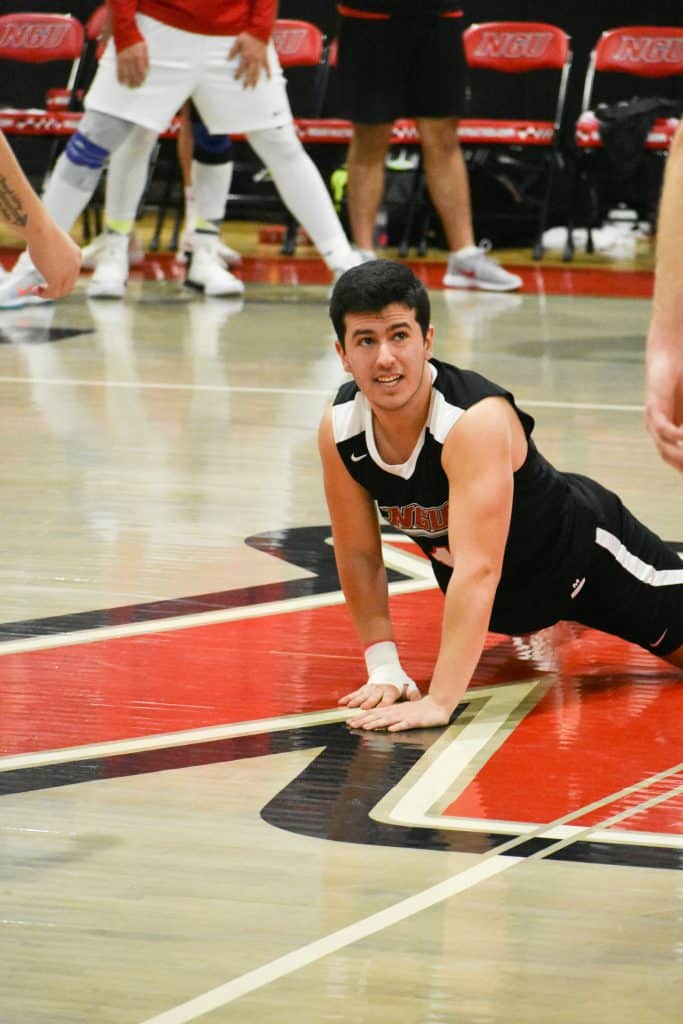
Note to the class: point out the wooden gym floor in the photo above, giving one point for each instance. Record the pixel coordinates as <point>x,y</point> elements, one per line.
<point>188,829</point>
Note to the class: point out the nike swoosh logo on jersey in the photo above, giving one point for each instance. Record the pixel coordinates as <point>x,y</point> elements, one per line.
<point>357,458</point>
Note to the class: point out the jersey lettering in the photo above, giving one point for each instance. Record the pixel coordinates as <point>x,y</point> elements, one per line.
<point>415,518</point>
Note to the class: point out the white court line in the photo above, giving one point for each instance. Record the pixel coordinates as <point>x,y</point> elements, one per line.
<point>312,392</point>
<point>489,865</point>
<point>196,619</point>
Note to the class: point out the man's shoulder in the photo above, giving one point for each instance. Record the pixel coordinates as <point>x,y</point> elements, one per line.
<point>468,383</point>
<point>346,392</point>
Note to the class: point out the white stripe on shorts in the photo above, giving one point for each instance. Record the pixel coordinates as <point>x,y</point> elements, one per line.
<point>641,570</point>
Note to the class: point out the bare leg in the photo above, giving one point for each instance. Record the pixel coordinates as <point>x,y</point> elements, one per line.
<point>365,162</point>
<point>185,145</point>
<point>447,179</point>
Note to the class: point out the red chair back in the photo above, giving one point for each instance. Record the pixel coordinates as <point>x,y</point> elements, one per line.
<point>514,46</point>
<point>647,50</point>
<point>298,43</point>
<point>39,38</point>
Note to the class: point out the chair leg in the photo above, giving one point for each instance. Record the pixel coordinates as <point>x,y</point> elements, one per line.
<point>592,217</point>
<point>569,248</point>
<point>177,224</point>
<point>423,237</point>
<point>164,203</point>
<point>411,211</point>
<point>538,247</point>
<point>289,241</point>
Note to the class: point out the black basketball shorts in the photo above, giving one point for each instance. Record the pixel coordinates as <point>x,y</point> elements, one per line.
<point>400,67</point>
<point>632,585</point>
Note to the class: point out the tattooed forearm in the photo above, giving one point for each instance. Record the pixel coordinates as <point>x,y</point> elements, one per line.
<point>11,207</point>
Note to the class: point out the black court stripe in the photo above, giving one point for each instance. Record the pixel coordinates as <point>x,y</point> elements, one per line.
<point>333,797</point>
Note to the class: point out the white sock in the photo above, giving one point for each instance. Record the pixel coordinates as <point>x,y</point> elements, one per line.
<point>127,176</point>
<point>211,185</point>
<point>62,200</point>
<point>303,191</point>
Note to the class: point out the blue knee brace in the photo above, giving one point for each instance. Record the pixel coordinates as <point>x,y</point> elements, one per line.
<point>210,149</point>
<point>83,152</point>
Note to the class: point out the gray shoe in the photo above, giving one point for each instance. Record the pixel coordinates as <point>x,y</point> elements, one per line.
<point>474,268</point>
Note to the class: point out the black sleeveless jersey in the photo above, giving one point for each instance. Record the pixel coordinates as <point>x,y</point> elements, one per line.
<point>552,526</point>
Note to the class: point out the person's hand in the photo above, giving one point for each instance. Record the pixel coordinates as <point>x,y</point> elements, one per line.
<point>57,257</point>
<point>132,65</point>
<point>373,695</point>
<point>664,402</point>
<point>253,59</point>
<point>418,713</point>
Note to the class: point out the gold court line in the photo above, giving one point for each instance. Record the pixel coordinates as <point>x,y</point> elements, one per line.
<point>186,737</point>
<point>197,619</point>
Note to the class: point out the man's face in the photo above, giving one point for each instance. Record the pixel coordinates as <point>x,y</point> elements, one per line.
<point>386,354</point>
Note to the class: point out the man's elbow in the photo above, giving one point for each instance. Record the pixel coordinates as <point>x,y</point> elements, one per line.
<point>481,575</point>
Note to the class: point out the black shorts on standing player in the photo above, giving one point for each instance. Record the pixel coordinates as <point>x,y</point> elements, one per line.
<point>401,67</point>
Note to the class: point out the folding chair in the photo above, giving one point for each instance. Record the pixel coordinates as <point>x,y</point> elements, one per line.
<point>71,97</point>
<point>646,52</point>
<point>41,39</point>
<point>518,151</point>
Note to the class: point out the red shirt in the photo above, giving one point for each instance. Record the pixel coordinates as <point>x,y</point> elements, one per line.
<point>205,17</point>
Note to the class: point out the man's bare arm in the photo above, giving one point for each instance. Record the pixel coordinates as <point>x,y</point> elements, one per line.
<point>54,253</point>
<point>664,355</point>
<point>358,554</point>
<point>478,458</point>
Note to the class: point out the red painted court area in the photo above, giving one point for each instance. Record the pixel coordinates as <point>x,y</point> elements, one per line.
<point>304,270</point>
<point>610,717</point>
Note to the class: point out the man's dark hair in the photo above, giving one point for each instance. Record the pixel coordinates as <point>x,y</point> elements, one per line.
<point>371,286</point>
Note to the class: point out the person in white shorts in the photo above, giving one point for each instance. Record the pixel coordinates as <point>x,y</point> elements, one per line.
<point>219,53</point>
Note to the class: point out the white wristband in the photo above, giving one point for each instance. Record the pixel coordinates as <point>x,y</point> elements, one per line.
<point>384,668</point>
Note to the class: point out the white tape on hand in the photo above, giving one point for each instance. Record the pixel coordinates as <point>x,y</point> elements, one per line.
<point>384,668</point>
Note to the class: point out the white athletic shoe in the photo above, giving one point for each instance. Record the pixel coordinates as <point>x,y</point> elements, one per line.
<point>206,271</point>
<point>354,259</point>
<point>366,255</point>
<point>472,267</point>
<point>230,257</point>
<point>111,273</point>
<point>15,287</point>
<point>93,251</point>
